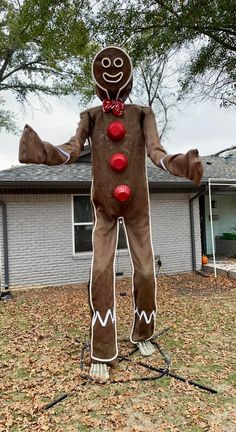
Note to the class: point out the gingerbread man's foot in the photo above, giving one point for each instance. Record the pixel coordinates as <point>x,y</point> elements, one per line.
<point>99,372</point>
<point>146,348</point>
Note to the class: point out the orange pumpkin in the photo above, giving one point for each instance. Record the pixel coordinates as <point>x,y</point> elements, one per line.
<point>204,259</point>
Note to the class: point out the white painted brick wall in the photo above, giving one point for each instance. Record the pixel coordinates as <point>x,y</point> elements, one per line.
<point>41,248</point>
<point>171,231</point>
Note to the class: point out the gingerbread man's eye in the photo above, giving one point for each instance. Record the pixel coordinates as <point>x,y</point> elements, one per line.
<point>106,62</point>
<point>118,62</point>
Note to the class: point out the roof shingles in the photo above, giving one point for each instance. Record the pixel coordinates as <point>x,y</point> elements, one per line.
<point>214,167</point>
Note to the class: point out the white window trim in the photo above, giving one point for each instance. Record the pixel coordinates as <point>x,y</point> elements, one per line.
<point>85,254</point>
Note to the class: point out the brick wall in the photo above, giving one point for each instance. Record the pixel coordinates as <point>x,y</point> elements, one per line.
<point>41,247</point>
<point>171,231</point>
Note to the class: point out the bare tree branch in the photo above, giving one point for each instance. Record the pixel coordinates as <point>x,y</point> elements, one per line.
<point>22,66</point>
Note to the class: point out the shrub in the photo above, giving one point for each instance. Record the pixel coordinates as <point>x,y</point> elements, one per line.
<point>229,236</point>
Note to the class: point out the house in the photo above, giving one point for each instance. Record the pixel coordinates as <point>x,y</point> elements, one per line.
<point>47,221</point>
<point>221,174</point>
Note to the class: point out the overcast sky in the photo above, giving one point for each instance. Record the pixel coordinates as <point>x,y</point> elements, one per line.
<point>204,126</point>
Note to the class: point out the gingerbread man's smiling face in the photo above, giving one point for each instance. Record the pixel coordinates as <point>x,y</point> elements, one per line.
<point>112,70</point>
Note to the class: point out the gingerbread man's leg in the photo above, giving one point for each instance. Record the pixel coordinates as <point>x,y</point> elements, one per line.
<point>102,289</point>
<point>144,281</point>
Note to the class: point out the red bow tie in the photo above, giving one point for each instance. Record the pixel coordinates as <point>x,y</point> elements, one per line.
<point>117,107</point>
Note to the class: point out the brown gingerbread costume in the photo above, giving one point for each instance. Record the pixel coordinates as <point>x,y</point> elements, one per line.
<point>121,137</point>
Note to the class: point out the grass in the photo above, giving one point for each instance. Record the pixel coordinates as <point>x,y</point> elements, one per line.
<point>39,360</point>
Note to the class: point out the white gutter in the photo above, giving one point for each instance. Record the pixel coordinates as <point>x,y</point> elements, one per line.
<point>211,182</point>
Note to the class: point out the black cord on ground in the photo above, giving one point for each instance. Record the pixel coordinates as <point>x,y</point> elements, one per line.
<point>56,401</point>
<point>163,354</point>
<point>172,375</point>
<point>161,371</point>
<point>191,382</point>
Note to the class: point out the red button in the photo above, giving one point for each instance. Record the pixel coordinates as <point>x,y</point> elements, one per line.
<point>116,131</point>
<point>118,162</point>
<point>122,193</point>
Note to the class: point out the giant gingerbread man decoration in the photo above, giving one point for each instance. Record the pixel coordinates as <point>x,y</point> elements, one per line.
<point>121,138</point>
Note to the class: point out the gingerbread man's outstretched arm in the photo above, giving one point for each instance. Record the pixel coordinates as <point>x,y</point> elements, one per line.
<point>33,150</point>
<point>187,165</point>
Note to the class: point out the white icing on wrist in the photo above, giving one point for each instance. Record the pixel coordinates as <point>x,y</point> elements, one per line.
<point>162,163</point>
<point>65,154</point>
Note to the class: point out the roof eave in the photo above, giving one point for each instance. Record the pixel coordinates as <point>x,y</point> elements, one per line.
<point>81,184</point>
<point>46,184</point>
<point>170,184</point>
<point>21,185</point>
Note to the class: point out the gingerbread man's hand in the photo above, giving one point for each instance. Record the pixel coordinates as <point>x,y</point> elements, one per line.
<point>194,166</point>
<point>187,165</point>
<point>31,148</point>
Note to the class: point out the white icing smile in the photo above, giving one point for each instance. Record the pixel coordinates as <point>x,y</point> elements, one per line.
<point>112,78</point>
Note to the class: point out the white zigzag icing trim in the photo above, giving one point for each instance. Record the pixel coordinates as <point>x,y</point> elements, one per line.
<point>103,322</point>
<point>144,315</point>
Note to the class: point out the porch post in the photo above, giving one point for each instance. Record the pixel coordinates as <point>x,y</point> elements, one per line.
<point>212,232</point>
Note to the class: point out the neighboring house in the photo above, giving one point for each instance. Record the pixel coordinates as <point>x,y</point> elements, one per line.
<point>221,168</point>
<point>47,222</point>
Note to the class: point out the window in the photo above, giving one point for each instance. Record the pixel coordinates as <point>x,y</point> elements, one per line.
<point>122,244</point>
<point>83,225</point>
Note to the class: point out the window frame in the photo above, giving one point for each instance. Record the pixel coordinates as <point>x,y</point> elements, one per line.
<point>78,224</point>
<point>89,253</point>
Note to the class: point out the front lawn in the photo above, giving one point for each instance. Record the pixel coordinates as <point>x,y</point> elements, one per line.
<point>41,334</point>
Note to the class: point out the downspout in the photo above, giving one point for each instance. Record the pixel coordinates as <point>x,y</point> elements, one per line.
<point>5,295</point>
<point>191,201</point>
